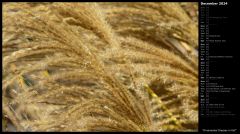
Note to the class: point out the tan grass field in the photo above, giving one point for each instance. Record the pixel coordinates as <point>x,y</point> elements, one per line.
<point>100,67</point>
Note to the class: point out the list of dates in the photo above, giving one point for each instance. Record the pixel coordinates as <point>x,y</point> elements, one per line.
<point>217,65</point>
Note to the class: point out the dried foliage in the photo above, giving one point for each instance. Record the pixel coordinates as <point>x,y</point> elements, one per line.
<point>99,67</point>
